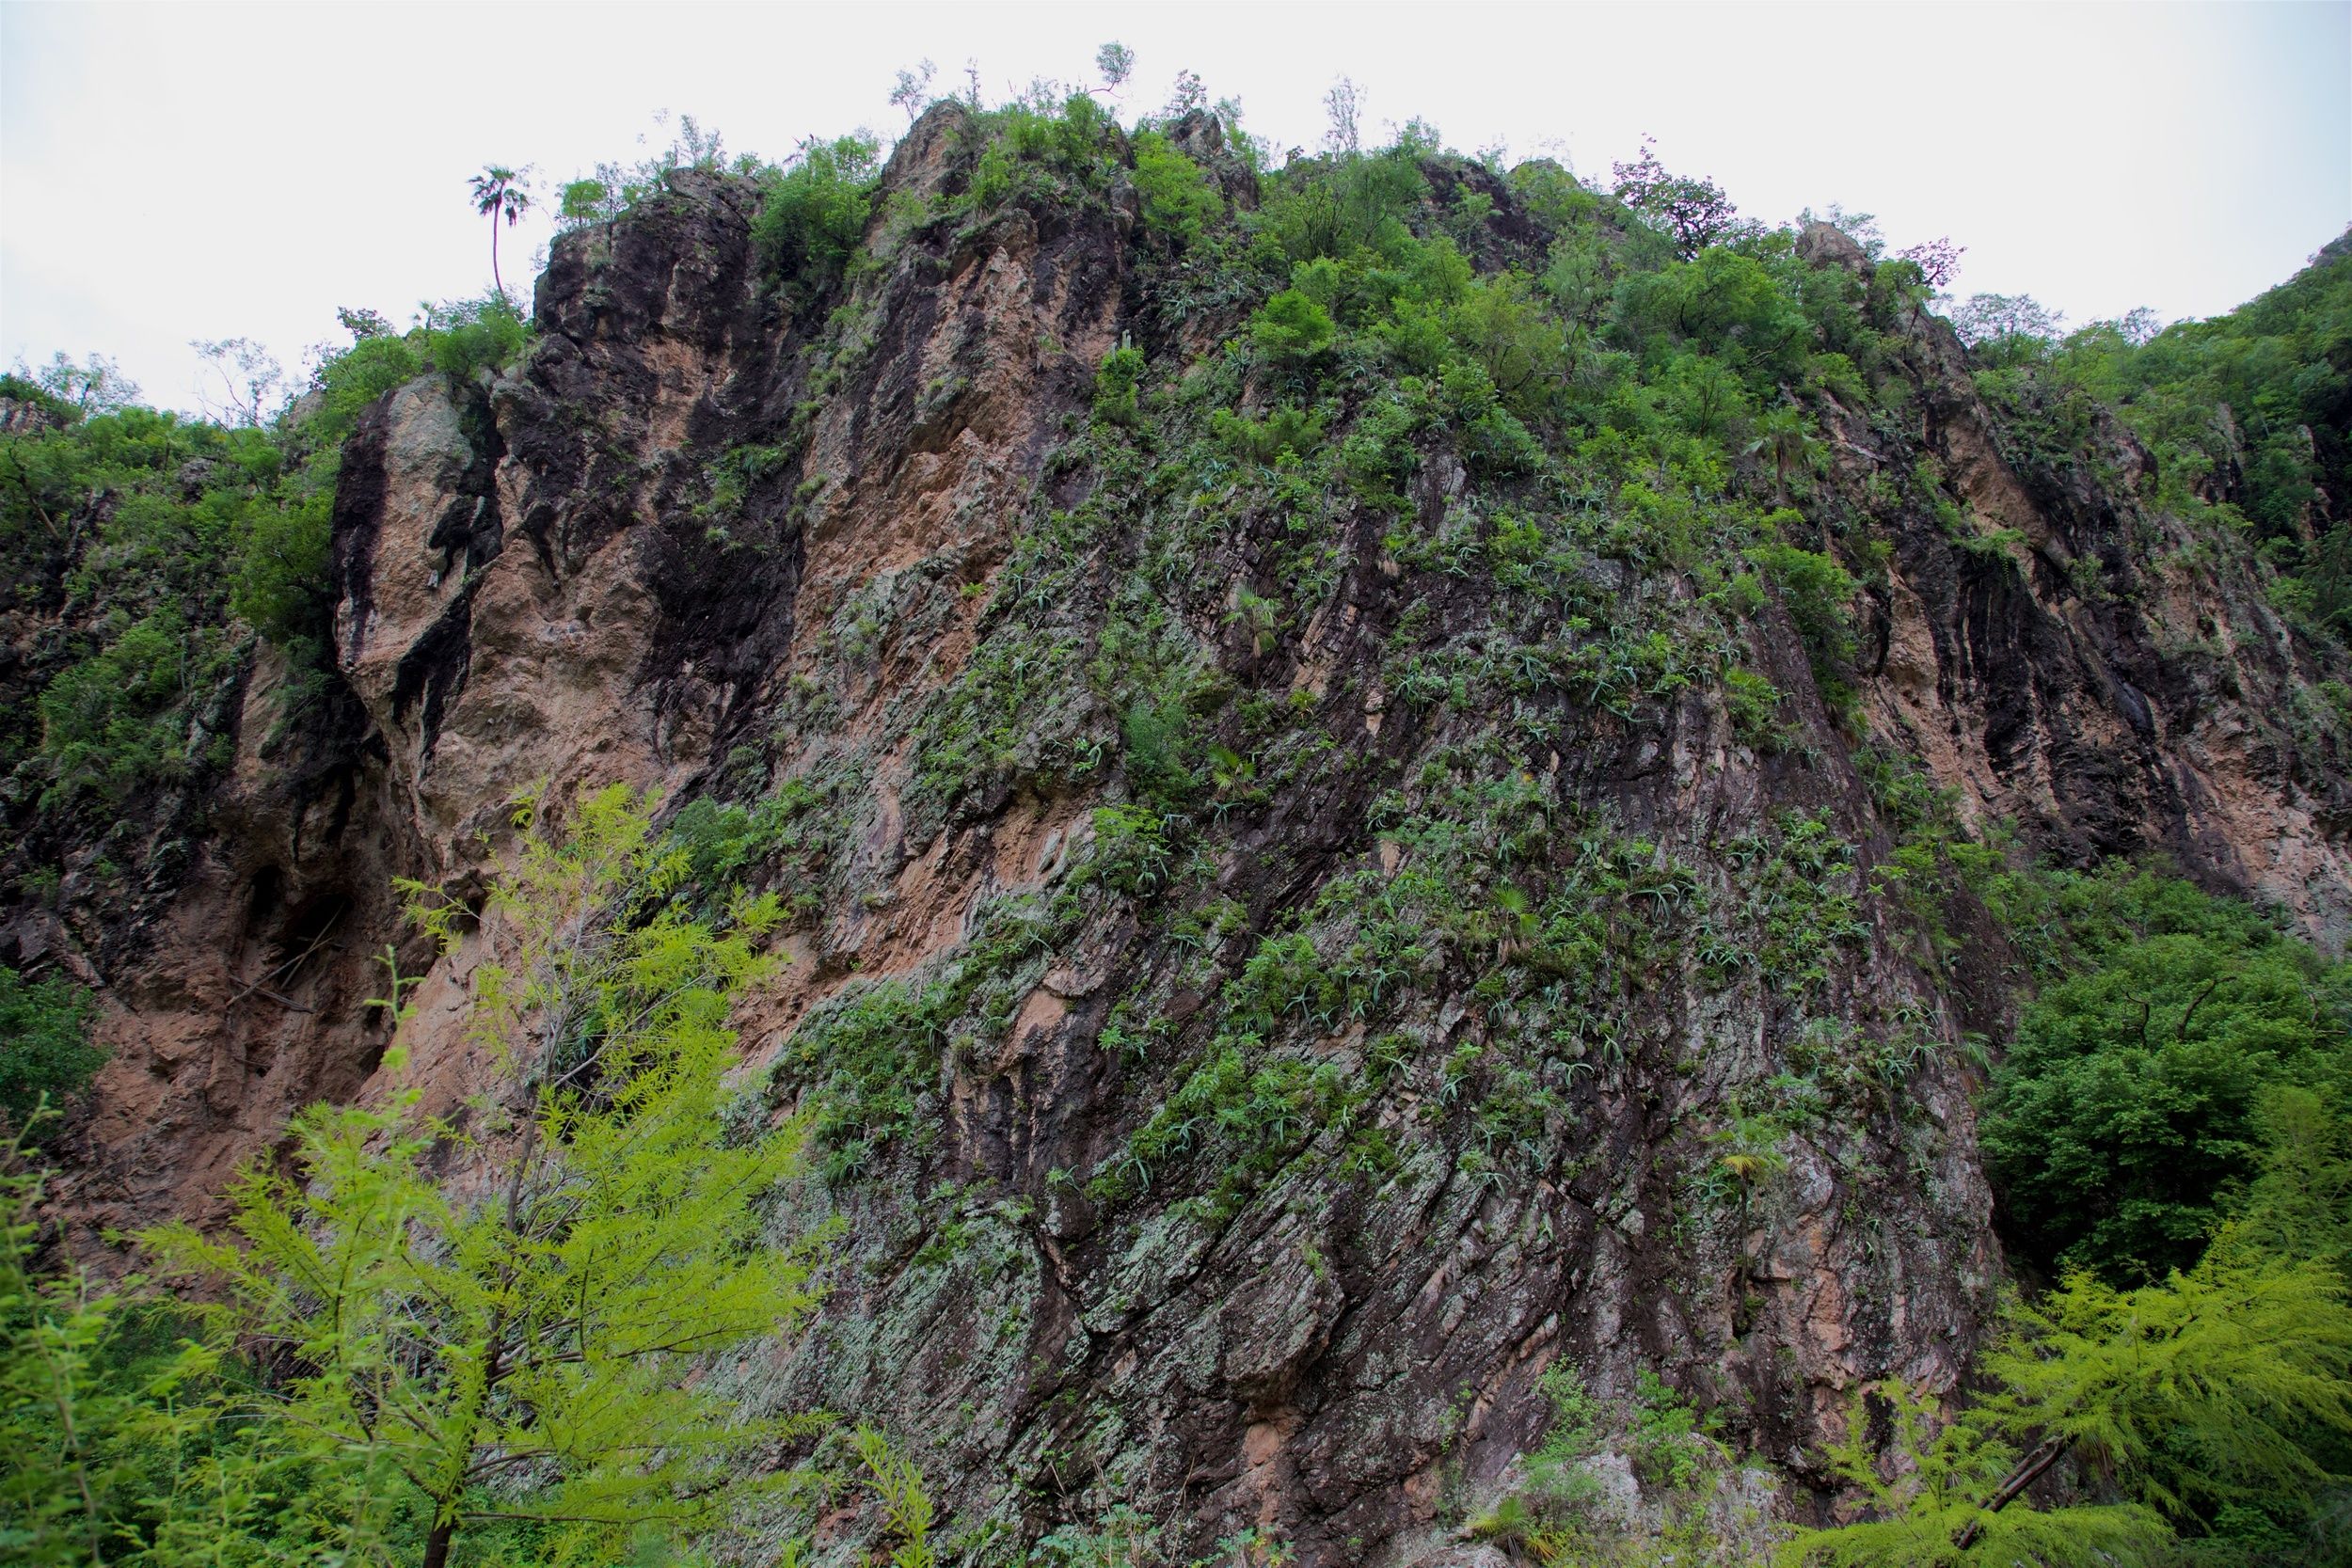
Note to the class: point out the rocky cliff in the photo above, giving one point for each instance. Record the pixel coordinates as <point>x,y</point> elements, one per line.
<point>1295,935</point>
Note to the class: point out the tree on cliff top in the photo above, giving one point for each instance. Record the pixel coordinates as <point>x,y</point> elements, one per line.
<point>1696,213</point>
<point>498,191</point>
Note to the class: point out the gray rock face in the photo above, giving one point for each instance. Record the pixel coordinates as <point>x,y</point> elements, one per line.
<point>1825,244</point>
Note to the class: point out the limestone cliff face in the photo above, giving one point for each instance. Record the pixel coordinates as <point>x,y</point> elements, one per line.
<point>734,543</point>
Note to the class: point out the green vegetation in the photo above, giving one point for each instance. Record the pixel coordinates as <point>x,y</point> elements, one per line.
<point>2134,1110</point>
<point>1178,199</point>
<point>813,211</point>
<point>1579,442</point>
<point>2244,414</point>
<point>1291,328</point>
<point>162,546</point>
<point>384,1366</point>
<point>45,1054</point>
<point>2222,1397</point>
<point>1115,384</point>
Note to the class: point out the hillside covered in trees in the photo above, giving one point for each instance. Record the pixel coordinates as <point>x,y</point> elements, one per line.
<point>1073,848</point>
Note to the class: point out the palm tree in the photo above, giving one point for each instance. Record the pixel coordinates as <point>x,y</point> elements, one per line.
<point>1781,437</point>
<point>498,190</point>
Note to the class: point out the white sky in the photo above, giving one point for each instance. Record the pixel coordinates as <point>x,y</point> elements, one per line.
<point>210,171</point>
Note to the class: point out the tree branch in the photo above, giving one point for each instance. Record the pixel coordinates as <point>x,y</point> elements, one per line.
<point>2029,1470</point>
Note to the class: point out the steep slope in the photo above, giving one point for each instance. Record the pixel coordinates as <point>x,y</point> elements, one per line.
<point>1329,882</point>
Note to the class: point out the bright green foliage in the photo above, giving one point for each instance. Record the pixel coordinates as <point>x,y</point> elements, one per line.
<point>282,568</point>
<point>462,338</point>
<point>1178,199</point>
<point>1938,1491</point>
<point>1575,1417</point>
<point>377,361</point>
<point>523,1350</point>
<point>2280,365</point>
<point>130,1444</point>
<point>2206,1389</point>
<point>1131,851</point>
<point>1753,703</point>
<point>2218,1392</point>
<point>1815,590</point>
<point>1291,328</point>
<point>1664,1439</point>
<point>1286,429</point>
<point>812,214</point>
<point>906,1506</point>
<point>2300,1203</point>
<point>1116,381</point>
<point>45,1051</point>
<point>1503,328</point>
<point>1798,891</point>
<point>2126,1119</point>
<point>2228,1386</point>
<point>585,201</point>
<point>1255,1117</point>
<point>88,1430</point>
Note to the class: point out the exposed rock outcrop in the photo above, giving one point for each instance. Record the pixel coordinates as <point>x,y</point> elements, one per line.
<point>719,539</point>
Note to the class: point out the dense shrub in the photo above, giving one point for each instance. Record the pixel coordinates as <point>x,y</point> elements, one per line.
<point>1291,328</point>
<point>1178,199</point>
<point>347,382</point>
<point>2127,1121</point>
<point>1286,429</point>
<point>461,339</point>
<point>45,1051</point>
<point>1116,383</point>
<point>813,214</point>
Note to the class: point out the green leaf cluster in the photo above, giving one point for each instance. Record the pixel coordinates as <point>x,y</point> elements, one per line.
<point>1177,198</point>
<point>2253,406</point>
<point>813,211</point>
<point>387,1363</point>
<point>2135,1107</point>
<point>45,1051</point>
<point>2228,1387</point>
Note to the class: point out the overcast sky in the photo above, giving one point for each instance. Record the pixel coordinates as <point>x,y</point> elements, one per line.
<point>189,171</point>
